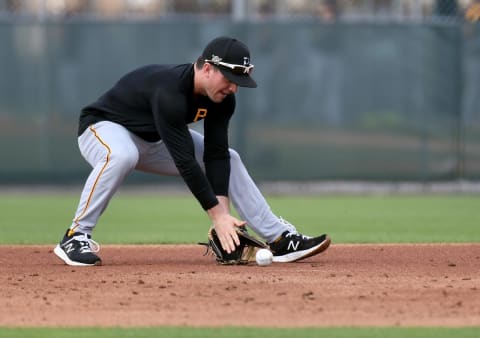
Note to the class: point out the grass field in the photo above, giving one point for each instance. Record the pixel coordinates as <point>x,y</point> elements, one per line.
<point>146,218</point>
<point>236,332</point>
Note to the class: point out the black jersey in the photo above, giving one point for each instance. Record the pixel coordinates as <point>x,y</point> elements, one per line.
<point>156,102</point>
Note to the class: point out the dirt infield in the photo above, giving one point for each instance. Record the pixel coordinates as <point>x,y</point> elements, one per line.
<point>348,285</point>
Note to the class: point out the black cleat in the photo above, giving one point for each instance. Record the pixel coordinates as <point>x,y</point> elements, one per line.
<point>292,246</point>
<point>78,249</point>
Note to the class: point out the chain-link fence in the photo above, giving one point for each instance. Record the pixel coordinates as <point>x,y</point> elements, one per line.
<point>323,10</point>
<point>363,89</point>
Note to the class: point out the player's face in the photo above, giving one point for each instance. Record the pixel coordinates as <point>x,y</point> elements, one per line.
<point>219,86</point>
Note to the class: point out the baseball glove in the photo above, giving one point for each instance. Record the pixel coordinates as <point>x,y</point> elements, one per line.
<point>243,253</point>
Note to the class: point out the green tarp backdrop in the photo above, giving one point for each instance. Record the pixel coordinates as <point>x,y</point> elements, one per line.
<point>369,101</point>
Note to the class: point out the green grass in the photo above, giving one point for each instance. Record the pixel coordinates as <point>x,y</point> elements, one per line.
<point>169,332</point>
<point>147,218</point>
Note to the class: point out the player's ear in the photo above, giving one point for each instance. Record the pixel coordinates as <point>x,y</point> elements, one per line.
<point>208,67</point>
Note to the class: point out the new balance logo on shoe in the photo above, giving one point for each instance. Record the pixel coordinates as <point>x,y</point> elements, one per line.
<point>293,246</point>
<point>69,248</point>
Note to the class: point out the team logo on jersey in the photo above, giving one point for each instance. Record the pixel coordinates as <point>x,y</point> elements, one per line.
<point>201,114</point>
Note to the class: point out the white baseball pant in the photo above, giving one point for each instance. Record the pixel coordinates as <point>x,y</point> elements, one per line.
<point>114,152</point>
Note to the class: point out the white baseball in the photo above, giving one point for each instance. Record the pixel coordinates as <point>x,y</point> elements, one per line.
<point>264,257</point>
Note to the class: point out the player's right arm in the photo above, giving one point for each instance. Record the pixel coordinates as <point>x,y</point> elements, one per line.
<point>169,111</point>
<point>171,125</point>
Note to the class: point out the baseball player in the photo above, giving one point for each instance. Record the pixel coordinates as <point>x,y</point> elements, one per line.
<point>141,123</point>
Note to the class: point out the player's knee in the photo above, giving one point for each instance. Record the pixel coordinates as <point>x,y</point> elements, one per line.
<point>234,157</point>
<point>126,160</point>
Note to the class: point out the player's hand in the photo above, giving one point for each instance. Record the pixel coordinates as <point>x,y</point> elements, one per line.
<point>225,224</point>
<point>225,228</point>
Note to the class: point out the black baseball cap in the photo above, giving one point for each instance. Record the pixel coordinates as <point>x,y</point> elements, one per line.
<point>232,58</point>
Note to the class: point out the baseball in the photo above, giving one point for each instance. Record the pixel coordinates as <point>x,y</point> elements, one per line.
<point>264,257</point>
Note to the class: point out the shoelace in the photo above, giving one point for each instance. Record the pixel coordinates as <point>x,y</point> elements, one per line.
<point>296,234</point>
<point>87,244</point>
<point>292,231</point>
<point>290,226</point>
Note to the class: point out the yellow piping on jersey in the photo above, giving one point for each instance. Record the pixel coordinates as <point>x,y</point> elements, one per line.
<point>109,152</point>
